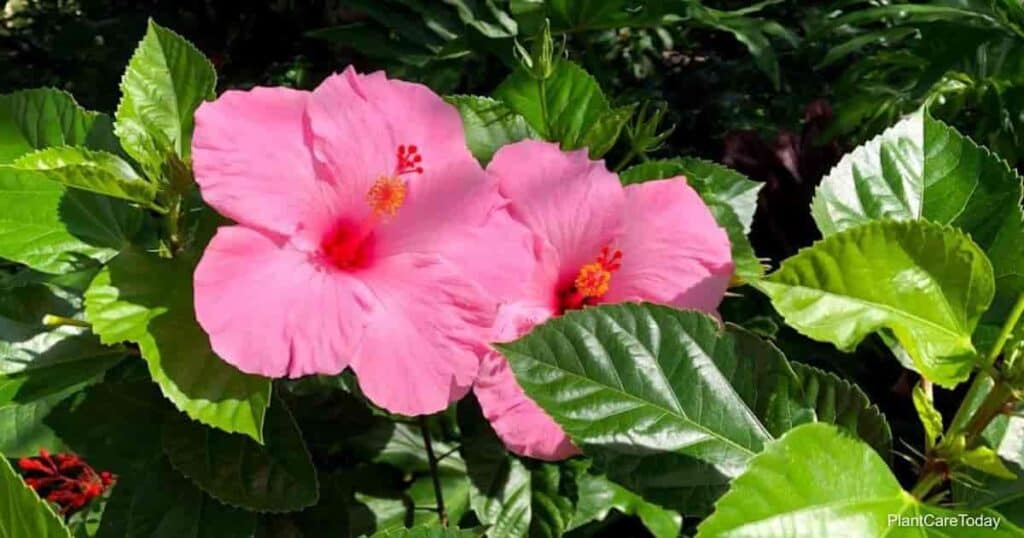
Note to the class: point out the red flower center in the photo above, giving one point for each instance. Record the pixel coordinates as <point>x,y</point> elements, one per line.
<point>349,246</point>
<point>592,281</point>
<point>64,479</point>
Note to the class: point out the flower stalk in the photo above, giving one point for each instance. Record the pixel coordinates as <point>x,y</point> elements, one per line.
<point>428,445</point>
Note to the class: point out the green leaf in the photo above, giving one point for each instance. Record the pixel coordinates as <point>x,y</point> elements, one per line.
<point>986,460</point>
<point>166,80</point>
<point>551,503</point>
<point>930,417</point>
<point>630,384</point>
<point>924,169</point>
<point>235,470</point>
<point>45,117</point>
<point>598,496</point>
<point>425,531</point>
<point>818,481</point>
<point>928,284</point>
<point>602,135</point>
<point>401,446</point>
<point>562,108</point>
<point>166,505</point>
<point>94,171</point>
<point>731,197</point>
<point>23,430</point>
<point>141,298</point>
<point>53,229</point>
<point>489,125</point>
<point>1005,436</point>
<point>836,401</point>
<point>22,512</point>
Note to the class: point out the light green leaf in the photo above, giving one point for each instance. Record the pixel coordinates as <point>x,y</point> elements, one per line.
<point>489,125</point>
<point>928,284</point>
<point>1005,436</point>
<point>731,197</point>
<point>80,168</point>
<point>166,505</point>
<point>45,117</point>
<point>818,481</point>
<point>598,496</point>
<point>930,417</point>
<point>235,470</point>
<point>166,80</point>
<point>922,168</point>
<point>141,298</point>
<point>630,384</point>
<point>22,513</point>
<point>562,108</point>
<point>53,229</point>
<point>986,460</point>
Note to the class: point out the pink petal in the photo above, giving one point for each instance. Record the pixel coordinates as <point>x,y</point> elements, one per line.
<point>572,203</point>
<point>251,160</point>
<point>270,311</point>
<point>421,348</point>
<point>673,251</point>
<point>520,423</point>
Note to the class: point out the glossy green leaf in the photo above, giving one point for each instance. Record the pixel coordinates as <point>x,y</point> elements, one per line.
<point>166,80</point>
<point>94,171</point>
<point>234,469</point>
<point>930,417</point>
<point>53,229</point>
<point>928,284</point>
<point>167,505</point>
<point>836,401</point>
<point>818,481</point>
<point>46,117</point>
<point>598,496</point>
<point>630,383</point>
<point>22,513</point>
<point>489,125</point>
<point>922,168</point>
<point>565,107</point>
<point>141,298</point>
<point>731,197</point>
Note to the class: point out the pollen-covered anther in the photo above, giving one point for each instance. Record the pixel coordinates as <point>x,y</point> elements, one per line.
<point>386,196</point>
<point>594,278</point>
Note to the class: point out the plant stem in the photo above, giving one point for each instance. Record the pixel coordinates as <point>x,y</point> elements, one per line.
<point>432,461</point>
<point>53,320</point>
<point>972,424</point>
<point>625,160</point>
<point>174,225</point>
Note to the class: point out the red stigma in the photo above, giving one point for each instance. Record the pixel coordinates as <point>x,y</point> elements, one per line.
<point>64,479</point>
<point>408,160</point>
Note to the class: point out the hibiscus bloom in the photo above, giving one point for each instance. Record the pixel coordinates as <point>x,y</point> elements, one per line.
<point>596,242</point>
<point>367,236</point>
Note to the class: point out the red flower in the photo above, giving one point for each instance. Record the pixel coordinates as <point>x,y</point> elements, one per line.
<point>64,479</point>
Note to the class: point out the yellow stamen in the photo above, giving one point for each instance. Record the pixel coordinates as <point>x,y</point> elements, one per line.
<point>386,196</point>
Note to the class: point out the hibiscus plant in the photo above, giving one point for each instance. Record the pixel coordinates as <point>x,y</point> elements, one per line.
<point>369,309</point>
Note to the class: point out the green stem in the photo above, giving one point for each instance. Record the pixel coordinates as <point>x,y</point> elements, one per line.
<point>543,93</point>
<point>991,407</point>
<point>625,160</point>
<point>927,483</point>
<point>432,462</point>
<point>53,320</point>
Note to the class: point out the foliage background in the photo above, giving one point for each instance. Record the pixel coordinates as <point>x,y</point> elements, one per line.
<point>778,90</point>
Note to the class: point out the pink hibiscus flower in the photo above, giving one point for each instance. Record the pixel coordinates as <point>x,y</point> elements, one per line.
<point>596,242</point>
<point>368,236</point>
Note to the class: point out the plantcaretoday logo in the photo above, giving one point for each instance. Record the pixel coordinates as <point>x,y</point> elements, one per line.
<point>942,521</point>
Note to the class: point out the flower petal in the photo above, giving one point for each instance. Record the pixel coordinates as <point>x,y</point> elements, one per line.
<point>251,159</point>
<point>572,203</point>
<point>270,311</point>
<point>421,348</point>
<point>520,423</point>
<point>673,251</point>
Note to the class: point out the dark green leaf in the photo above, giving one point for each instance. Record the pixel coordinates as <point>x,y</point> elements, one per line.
<point>426,532</point>
<point>598,496</point>
<point>167,505</point>
<point>141,298</point>
<point>234,469</point>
